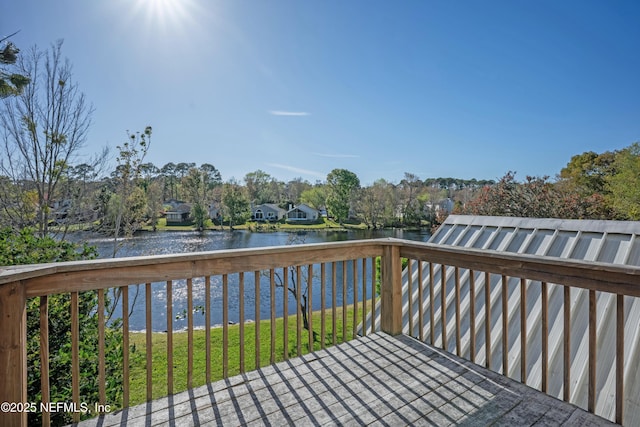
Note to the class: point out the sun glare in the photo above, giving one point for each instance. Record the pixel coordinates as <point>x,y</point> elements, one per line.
<point>167,16</point>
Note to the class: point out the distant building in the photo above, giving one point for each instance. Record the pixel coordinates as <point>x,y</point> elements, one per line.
<point>444,205</point>
<point>180,215</point>
<point>302,213</point>
<point>215,213</point>
<point>267,212</point>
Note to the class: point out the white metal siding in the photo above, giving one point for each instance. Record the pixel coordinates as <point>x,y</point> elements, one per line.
<point>613,242</point>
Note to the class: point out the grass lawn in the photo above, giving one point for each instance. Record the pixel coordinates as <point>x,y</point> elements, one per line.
<point>138,373</point>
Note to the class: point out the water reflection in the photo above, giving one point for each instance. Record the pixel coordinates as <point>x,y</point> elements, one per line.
<point>187,242</point>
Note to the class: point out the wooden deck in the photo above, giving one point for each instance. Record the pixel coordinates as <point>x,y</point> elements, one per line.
<point>378,379</point>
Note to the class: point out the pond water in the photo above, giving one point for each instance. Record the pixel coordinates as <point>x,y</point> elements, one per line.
<point>148,243</point>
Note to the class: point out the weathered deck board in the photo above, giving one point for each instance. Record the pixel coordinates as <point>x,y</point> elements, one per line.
<point>375,380</point>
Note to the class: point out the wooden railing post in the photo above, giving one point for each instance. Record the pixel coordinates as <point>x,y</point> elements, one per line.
<point>13,352</point>
<point>391,290</point>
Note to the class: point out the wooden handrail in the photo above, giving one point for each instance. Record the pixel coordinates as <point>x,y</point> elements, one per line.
<point>46,279</point>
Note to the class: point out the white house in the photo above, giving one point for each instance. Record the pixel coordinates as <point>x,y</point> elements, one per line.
<point>267,212</point>
<point>302,213</point>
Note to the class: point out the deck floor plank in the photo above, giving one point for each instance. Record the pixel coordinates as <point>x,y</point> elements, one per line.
<point>376,380</point>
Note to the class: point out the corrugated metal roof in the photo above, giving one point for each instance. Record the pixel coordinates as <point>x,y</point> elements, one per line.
<point>615,242</point>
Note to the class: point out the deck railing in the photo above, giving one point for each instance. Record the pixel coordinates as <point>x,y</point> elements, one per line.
<point>344,271</point>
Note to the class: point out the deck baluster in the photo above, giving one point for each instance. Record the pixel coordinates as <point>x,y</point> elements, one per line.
<point>207,327</point>
<point>272,299</point>
<point>285,311</point>
<point>410,296</point>
<point>334,311</point>
<point>566,387</point>
<point>44,357</point>
<point>354,281</point>
<point>298,310</point>
<point>189,333</point>
<point>487,319</point>
<point>256,280</point>
<point>432,316</point>
<point>125,345</point>
<point>443,304</point>
<point>591,404</point>
<point>344,301</point>
<point>169,337</point>
<point>364,296</point>
<point>323,304</point>
<point>457,294</point>
<point>523,331</point>
<point>373,295</point>
<point>149,340</point>
<point>310,305</point>
<point>421,302</point>
<point>619,358</point>
<point>472,316</point>
<point>102,393</point>
<point>505,327</point>
<point>241,320</point>
<point>545,336</point>
<point>225,326</point>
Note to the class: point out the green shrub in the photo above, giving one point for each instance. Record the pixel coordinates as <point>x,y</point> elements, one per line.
<point>26,247</point>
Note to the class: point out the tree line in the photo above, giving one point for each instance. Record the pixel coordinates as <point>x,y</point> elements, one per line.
<point>591,186</point>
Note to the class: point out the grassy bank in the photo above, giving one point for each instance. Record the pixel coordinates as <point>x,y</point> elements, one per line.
<point>327,224</point>
<point>138,373</point>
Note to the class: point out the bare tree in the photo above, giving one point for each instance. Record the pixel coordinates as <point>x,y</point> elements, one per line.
<point>44,128</point>
<point>128,205</point>
<point>296,285</point>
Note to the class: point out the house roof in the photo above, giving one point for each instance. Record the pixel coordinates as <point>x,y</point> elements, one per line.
<point>269,206</point>
<point>615,242</point>
<point>305,208</point>
<point>182,208</point>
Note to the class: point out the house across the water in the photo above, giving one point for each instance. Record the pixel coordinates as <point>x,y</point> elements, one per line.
<point>180,215</point>
<point>267,212</point>
<point>301,213</point>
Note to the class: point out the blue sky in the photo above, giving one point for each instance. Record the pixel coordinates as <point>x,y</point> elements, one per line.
<point>468,89</point>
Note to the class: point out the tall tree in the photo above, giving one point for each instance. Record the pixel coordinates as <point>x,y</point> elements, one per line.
<point>235,203</point>
<point>587,173</point>
<point>76,201</point>
<point>342,185</point>
<point>376,204</point>
<point>259,187</point>
<point>198,185</point>
<point>411,207</point>
<point>316,196</point>
<point>624,184</point>
<point>127,205</point>
<point>45,127</point>
<point>295,188</point>
<point>168,171</point>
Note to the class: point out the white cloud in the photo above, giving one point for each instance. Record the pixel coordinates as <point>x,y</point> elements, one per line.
<point>298,170</point>
<point>337,156</point>
<point>288,113</point>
